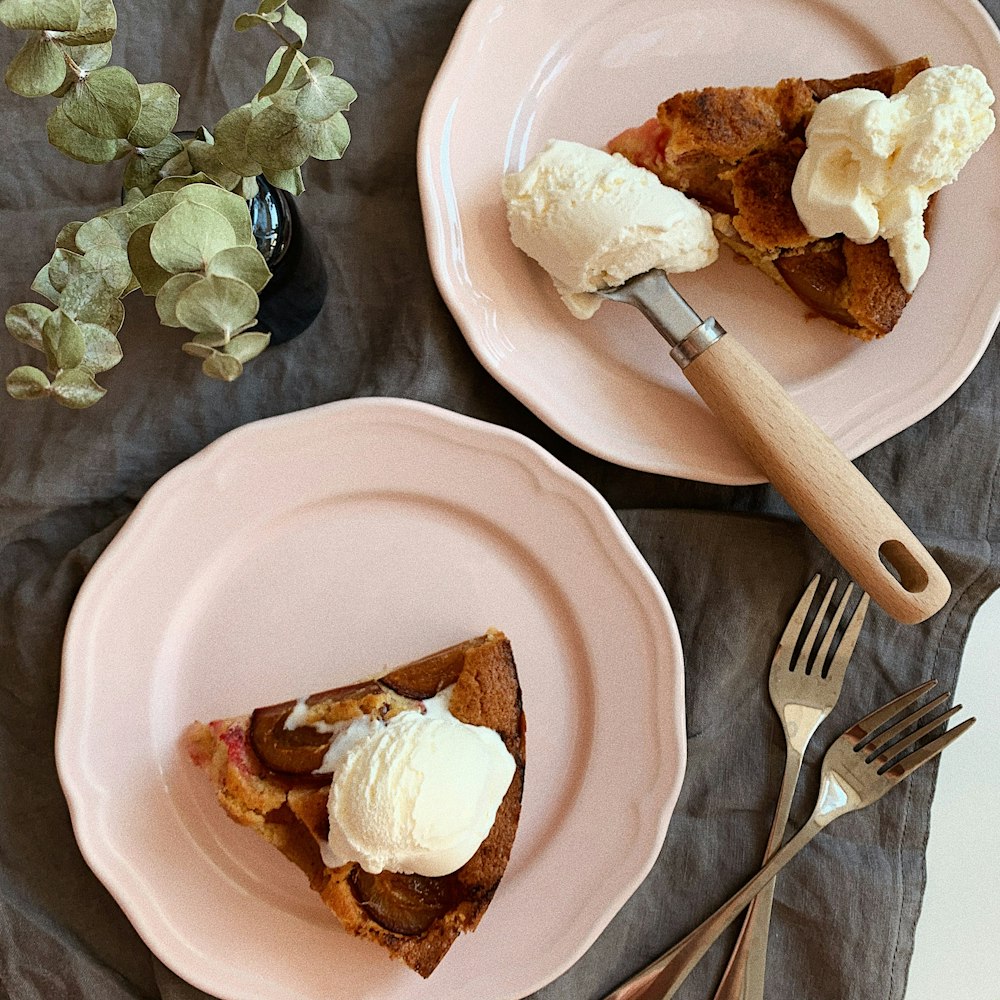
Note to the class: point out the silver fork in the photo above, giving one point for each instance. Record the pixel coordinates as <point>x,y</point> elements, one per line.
<point>804,691</point>
<point>859,768</point>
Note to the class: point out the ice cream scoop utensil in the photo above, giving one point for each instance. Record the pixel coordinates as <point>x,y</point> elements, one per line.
<point>859,768</point>
<point>820,483</point>
<point>804,690</point>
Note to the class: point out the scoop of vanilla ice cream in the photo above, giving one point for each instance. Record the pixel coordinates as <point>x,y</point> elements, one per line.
<point>872,162</point>
<point>593,220</point>
<point>417,794</point>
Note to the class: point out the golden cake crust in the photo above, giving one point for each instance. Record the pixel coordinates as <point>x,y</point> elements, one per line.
<point>736,149</point>
<point>291,812</point>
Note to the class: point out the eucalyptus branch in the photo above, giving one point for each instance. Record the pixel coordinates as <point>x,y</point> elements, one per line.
<point>181,234</point>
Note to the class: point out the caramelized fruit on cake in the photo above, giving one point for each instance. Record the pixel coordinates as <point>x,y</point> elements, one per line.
<point>266,778</point>
<point>736,150</point>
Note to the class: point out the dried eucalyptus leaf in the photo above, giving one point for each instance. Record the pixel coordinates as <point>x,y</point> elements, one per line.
<point>115,318</point>
<point>210,340</point>
<point>282,62</point>
<point>157,114</point>
<point>279,139</point>
<point>230,206</point>
<point>28,382</point>
<point>270,6</point>
<point>87,58</point>
<point>38,68</point>
<point>151,276</point>
<point>243,263</point>
<point>97,25</point>
<point>43,285</point>
<point>294,22</point>
<point>63,340</point>
<point>207,158</point>
<point>176,183</point>
<point>247,21</point>
<point>73,141</point>
<point>321,98</point>
<point>106,104</point>
<point>288,180</point>
<point>77,389</point>
<point>248,188</point>
<point>169,295</point>
<point>222,366</point>
<point>189,236</point>
<point>330,138</point>
<point>179,164</point>
<point>197,350</point>
<point>25,321</point>
<point>63,265</point>
<point>246,346</point>
<point>315,66</point>
<point>231,142</point>
<point>87,298</point>
<point>66,240</point>
<point>102,351</point>
<point>95,234</point>
<point>40,15</point>
<point>146,167</point>
<point>150,209</point>
<point>111,265</point>
<point>218,305</point>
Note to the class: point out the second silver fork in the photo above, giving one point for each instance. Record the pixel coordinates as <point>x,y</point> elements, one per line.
<point>804,690</point>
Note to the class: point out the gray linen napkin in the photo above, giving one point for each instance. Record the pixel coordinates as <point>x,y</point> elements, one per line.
<point>732,561</point>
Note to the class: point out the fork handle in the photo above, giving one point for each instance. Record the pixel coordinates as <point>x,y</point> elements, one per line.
<point>672,968</point>
<point>820,483</point>
<point>743,978</point>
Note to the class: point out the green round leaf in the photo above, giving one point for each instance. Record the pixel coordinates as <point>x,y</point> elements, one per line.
<point>111,265</point>
<point>25,321</point>
<point>288,180</point>
<point>330,138</point>
<point>157,114</point>
<point>269,6</point>
<point>97,25</point>
<point>243,263</point>
<point>295,23</point>
<point>66,240</point>
<point>87,58</point>
<point>40,15</point>
<point>176,183</point>
<point>230,206</point>
<point>63,340</point>
<point>169,294</point>
<point>102,351</point>
<point>87,298</point>
<point>73,141</point>
<point>115,318</point>
<point>197,350</point>
<point>247,21</point>
<point>210,340</point>
<point>224,367</point>
<point>43,285</point>
<point>315,66</point>
<point>231,142</point>
<point>146,167</point>
<point>189,236</point>
<point>106,104</point>
<point>279,139</point>
<point>38,68</point>
<point>28,382</point>
<point>95,234</point>
<point>286,59</point>
<point>63,265</point>
<point>151,276</point>
<point>77,389</point>
<point>149,209</point>
<point>218,305</point>
<point>318,99</point>
<point>246,346</point>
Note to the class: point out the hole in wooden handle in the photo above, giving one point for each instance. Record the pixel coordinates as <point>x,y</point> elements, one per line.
<point>898,559</point>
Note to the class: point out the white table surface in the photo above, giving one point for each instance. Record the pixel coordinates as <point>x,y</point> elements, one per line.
<point>957,951</point>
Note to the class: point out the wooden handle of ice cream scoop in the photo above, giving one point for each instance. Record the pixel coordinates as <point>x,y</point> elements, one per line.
<point>848,515</point>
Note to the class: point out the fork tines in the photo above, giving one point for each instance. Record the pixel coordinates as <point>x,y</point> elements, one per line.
<point>880,736</point>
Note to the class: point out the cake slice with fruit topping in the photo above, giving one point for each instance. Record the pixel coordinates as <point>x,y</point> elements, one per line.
<point>399,797</point>
<point>736,150</point>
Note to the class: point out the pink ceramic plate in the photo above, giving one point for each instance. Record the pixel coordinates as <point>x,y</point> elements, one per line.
<point>315,549</point>
<point>521,73</point>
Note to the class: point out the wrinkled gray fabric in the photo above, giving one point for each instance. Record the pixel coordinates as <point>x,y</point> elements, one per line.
<point>731,560</point>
